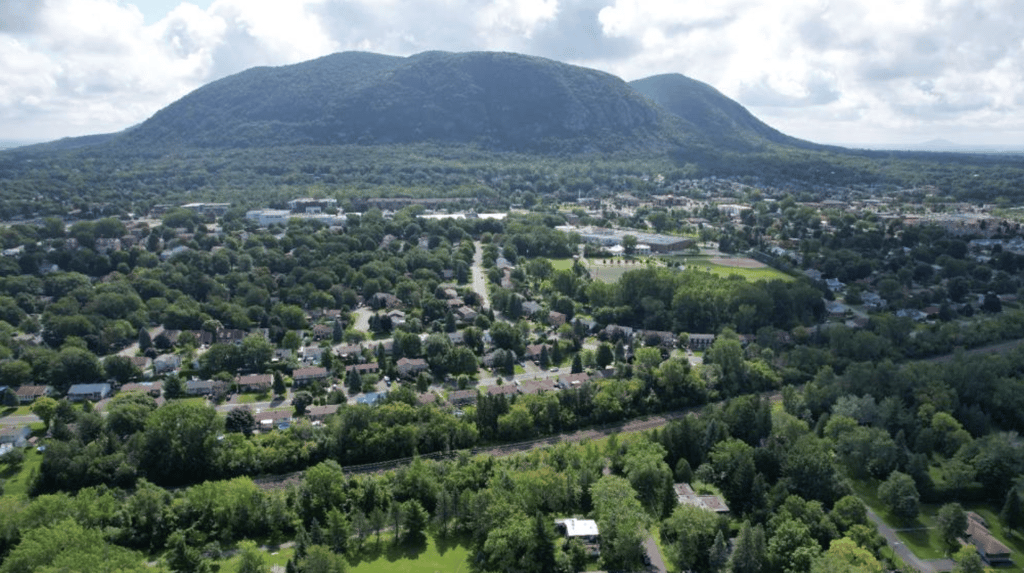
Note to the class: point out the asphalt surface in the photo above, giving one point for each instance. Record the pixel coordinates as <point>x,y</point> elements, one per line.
<point>904,552</point>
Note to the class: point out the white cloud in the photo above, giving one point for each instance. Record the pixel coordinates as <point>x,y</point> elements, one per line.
<point>820,69</point>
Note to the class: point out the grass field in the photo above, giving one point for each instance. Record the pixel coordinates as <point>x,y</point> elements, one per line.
<point>270,558</point>
<point>561,264</point>
<point>611,272</point>
<point>432,556</point>
<point>19,411</point>
<point>251,398</point>
<point>16,481</point>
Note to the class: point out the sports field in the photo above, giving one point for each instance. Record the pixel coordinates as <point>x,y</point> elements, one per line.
<point>611,269</point>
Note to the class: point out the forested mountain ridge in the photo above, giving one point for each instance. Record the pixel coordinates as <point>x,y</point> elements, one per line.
<point>499,101</point>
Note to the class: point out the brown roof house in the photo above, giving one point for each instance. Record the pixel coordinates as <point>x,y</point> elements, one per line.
<point>255,382</point>
<point>303,376</point>
<point>409,367</point>
<point>28,394</point>
<point>992,551</point>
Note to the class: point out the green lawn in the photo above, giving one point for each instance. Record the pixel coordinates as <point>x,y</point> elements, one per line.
<point>561,264</point>
<point>251,398</point>
<point>19,411</point>
<point>271,557</point>
<point>447,556</point>
<point>16,481</point>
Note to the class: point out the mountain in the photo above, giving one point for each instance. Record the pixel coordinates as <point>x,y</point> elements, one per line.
<point>721,120</point>
<point>499,101</point>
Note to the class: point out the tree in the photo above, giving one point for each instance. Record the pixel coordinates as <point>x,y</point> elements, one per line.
<point>577,364</point>
<point>629,244</point>
<point>688,534</point>
<point>240,420</point>
<point>968,560</point>
<point>952,523</point>
<point>45,407</point>
<point>301,400</point>
<point>621,520</point>
<point>749,552</point>
<point>844,556</point>
<point>121,368</point>
<point>145,341</point>
<point>605,355</point>
<point>174,387</point>
<point>415,519</point>
<point>320,559</point>
<point>179,443</point>
<point>251,558</point>
<point>338,531</point>
<point>279,387</point>
<point>899,493</point>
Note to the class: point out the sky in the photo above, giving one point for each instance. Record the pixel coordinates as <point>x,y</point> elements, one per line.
<point>831,71</point>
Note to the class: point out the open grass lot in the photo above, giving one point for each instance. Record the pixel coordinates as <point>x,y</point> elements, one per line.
<point>746,268</point>
<point>270,558</point>
<point>19,411</point>
<point>16,481</point>
<point>432,556</point>
<point>561,264</point>
<point>252,398</point>
<point>921,534</point>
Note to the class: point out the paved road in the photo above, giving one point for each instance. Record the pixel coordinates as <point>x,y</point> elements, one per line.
<point>657,561</point>
<point>479,279</point>
<point>904,552</point>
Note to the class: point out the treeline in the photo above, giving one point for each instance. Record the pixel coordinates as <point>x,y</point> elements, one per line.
<point>787,502</point>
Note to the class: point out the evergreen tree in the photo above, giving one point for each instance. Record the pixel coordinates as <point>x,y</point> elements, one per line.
<point>749,553</point>
<point>145,341</point>
<point>1012,513</point>
<point>577,364</point>
<point>545,359</point>
<point>718,553</point>
<point>279,388</point>
<point>337,332</point>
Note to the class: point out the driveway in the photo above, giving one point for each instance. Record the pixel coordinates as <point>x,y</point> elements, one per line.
<point>657,561</point>
<point>904,552</point>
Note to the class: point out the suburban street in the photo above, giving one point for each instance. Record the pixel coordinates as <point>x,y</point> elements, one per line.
<point>479,280</point>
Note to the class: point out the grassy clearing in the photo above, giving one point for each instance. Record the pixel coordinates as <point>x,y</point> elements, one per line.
<point>561,264</point>
<point>448,555</point>
<point>271,558</point>
<point>252,398</point>
<point>19,411</point>
<point>16,481</point>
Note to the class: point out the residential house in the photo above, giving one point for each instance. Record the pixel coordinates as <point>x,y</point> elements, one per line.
<point>570,381</point>
<point>152,388</point>
<point>992,551</point>
<point>362,369</point>
<point>537,386</point>
<point>533,351</point>
<point>585,530</point>
<point>258,383</point>
<point>270,419</point>
<point>166,363</point>
<point>304,376</point>
<point>556,318</point>
<point>205,387</point>
<point>30,393</point>
<point>91,392</point>
<point>686,496</point>
<point>616,332</point>
<point>531,308</point>
<point>700,341</point>
<point>503,390</point>
<point>463,397</point>
<point>465,314</point>
<point>409,367</point>
<point>319,413</point>
<point>323,331</point>
<point>312,354</point>
<point>385,300</point>
<point>143,363</point>
<point>15,435</point>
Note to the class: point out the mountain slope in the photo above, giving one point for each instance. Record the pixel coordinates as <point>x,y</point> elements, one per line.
<point>722,120</point>
<point>497,100</point>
